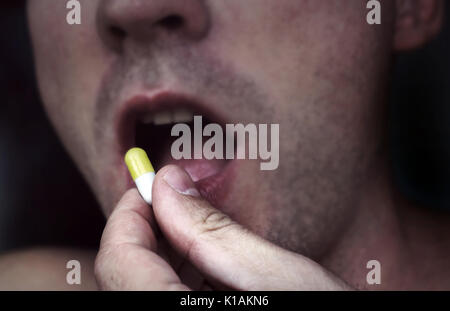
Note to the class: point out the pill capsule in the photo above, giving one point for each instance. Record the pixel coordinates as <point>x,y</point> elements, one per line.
<point>141,171</point>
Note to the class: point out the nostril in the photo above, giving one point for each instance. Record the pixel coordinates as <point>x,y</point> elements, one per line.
<point>117,32</point>
<point>172,22</point>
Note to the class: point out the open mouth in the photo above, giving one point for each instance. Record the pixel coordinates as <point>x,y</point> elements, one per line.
<point>148,124</point>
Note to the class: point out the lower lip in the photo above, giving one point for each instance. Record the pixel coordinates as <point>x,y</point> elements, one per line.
<point>213,180</point>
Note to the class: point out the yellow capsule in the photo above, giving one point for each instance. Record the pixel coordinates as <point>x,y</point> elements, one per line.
<point>141,171</point>
<point>138,162</point>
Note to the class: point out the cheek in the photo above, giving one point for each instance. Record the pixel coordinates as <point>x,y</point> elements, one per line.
<point>296,49</point>
<point>68,75</point>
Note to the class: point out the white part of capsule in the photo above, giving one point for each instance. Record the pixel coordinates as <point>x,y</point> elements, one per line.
<point>144,183</point>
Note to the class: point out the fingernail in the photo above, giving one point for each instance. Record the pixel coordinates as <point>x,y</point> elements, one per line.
<point>181,182</point>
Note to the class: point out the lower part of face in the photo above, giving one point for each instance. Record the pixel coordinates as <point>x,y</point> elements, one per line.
<point>316,68</point>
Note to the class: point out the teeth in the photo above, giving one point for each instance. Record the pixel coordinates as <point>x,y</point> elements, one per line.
<point>164,117</point>
<point>147,119</point>
<point>167,117</point>
<point>183,116</point>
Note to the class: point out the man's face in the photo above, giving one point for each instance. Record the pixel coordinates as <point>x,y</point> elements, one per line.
<point>316,68</point>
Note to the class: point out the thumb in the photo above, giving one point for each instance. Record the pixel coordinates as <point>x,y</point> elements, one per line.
<point>220,248</point>
<point>198,231</point>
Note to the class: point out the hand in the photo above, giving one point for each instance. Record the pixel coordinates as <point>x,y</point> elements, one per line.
<point>213,251</point>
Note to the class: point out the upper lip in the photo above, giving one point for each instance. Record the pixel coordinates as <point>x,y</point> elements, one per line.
<point>127,114</point>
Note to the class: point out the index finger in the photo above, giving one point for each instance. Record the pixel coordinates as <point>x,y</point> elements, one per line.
<point>132,222</point>
<point>127,259</point>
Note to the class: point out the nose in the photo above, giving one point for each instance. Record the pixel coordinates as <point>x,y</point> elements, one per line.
<point>142,20</point>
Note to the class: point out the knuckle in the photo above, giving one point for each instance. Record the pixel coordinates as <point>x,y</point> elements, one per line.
<point>214,224</point>
<point>211,228</point>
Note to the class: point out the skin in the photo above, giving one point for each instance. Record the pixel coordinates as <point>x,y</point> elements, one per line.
<point>316,68</point>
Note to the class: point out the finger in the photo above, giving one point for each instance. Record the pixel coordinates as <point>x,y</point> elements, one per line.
<point>127,259</point>
<point>221,248</point>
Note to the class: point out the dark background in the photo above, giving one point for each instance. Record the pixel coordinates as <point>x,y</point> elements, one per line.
<point>44,200</point>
